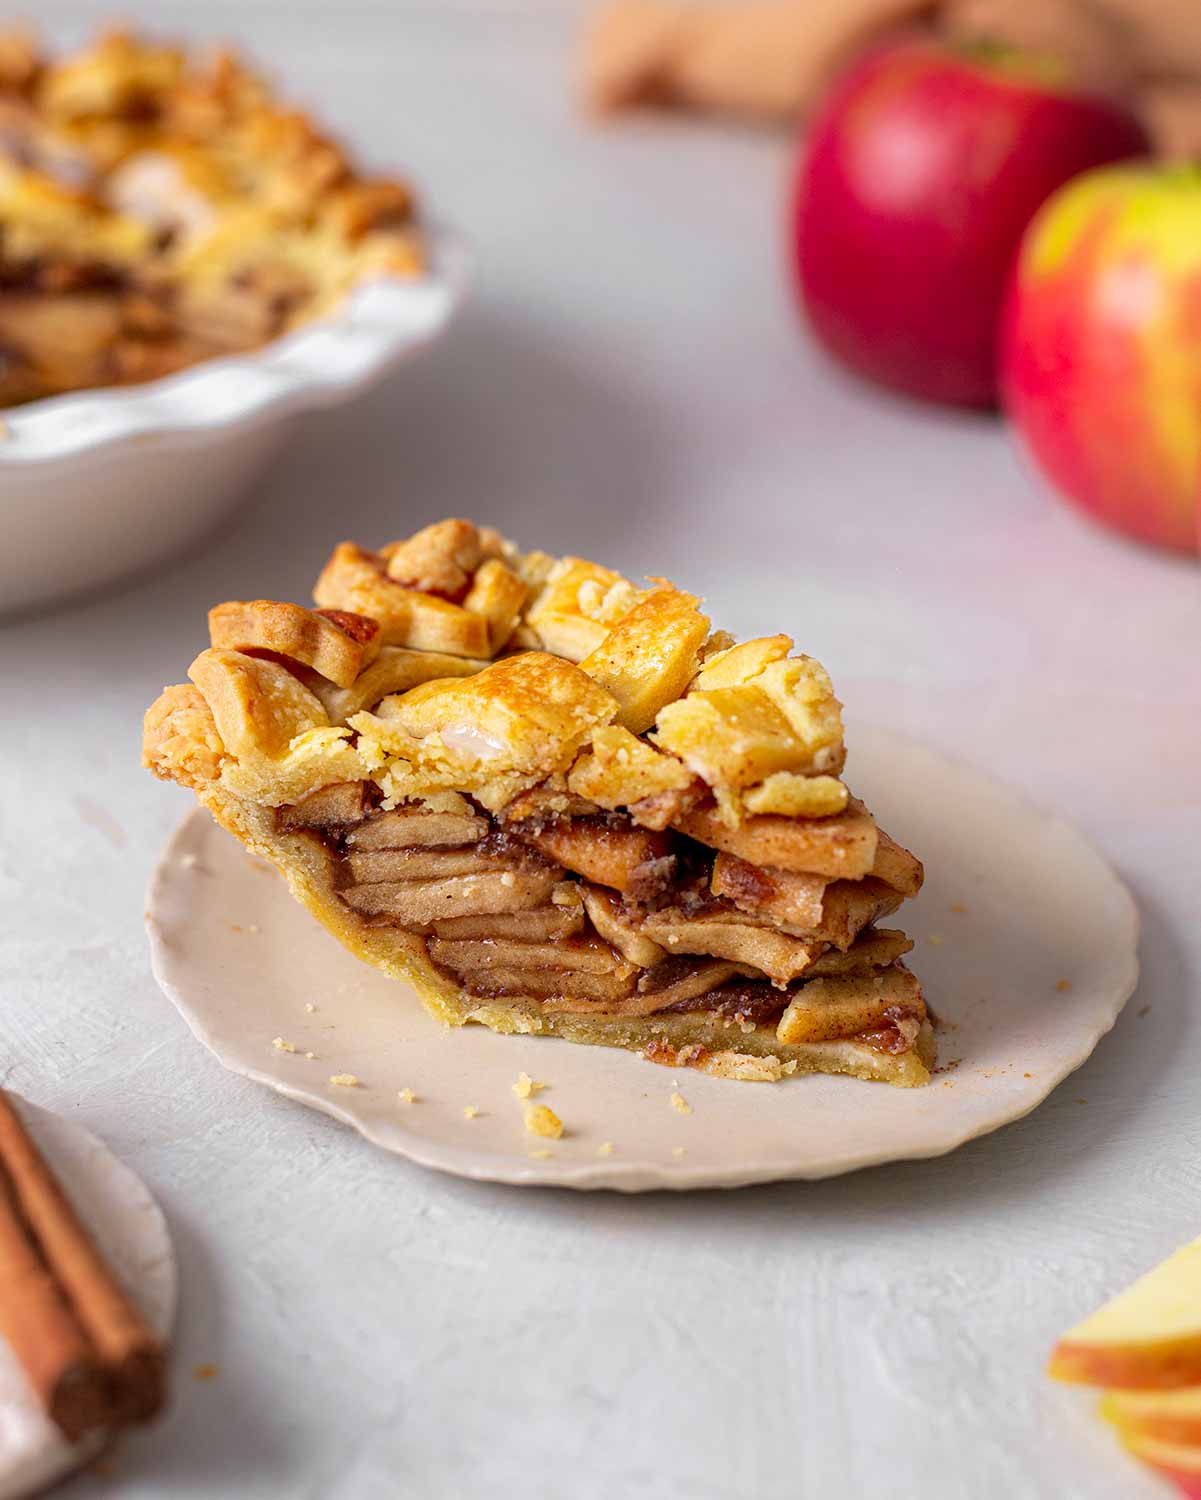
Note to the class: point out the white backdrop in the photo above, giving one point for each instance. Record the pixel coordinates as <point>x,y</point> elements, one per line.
<point>628,382</point>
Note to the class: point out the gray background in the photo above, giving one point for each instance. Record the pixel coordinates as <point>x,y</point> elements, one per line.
<point>627,382</point>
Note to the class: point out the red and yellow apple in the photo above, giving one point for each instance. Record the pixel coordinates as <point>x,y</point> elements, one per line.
<point>1162,1416</point>
<point>1101,349</point>
<point>913,187</point>
<point>1148,1337</point>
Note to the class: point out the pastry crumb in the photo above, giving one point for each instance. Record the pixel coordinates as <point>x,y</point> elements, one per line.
<point>605,1148</point>
<point>204,1372</point>
<point>1064,985</point>
<point>542,1154</point>
<point>958,907</point>
<point>936,939</point>
<point>281,1046</point>
<point>312,1056</point>
<point>677,1151</point>
<point>470,1112</point>
<point>309,1006</point>
<point>540,1119</point>
<point>345,1080</point>
<point>526,1086</point>
<point>406,1096</point>
<point>680,1104</point>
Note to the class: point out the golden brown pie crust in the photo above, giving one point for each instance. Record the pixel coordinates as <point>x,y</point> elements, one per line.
<point>569,841</point>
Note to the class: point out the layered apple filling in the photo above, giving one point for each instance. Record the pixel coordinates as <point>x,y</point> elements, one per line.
<point>560,804</point>
<point>584,912</point>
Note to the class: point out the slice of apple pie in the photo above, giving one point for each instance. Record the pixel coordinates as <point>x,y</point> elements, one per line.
<point>557,803</point>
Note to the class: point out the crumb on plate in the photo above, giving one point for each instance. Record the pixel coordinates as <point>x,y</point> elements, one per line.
<point>526,1086</point>
<point>540,1119</point>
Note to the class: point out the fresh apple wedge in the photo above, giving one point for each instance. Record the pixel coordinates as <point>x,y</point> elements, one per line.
<point>1162,1416</point>
<point>1146,1338</point>
<point>1175,1461</point>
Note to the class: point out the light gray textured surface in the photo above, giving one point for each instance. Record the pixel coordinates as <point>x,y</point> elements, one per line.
<point>628,382</point>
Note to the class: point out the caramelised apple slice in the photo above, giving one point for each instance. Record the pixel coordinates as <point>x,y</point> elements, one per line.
<point>1175,1461</point>
<point>1147,1337</point>
<point>1162,1416</point>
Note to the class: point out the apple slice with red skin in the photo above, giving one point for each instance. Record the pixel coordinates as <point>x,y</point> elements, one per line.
<point>1161,1416</point>
<point>1146,1338</point>
<point>1175,1461</point>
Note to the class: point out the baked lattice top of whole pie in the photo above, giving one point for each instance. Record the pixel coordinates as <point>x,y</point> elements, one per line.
<point>158,207</point>
<point>557,800</point>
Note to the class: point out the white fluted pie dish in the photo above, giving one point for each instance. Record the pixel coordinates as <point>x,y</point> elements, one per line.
<point>103,484</point>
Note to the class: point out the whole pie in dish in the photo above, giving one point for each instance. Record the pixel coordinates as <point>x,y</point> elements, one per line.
<point>157,209</point>
<point>558,803</point>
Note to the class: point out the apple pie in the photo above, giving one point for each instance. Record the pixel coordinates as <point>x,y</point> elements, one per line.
<point>558,803</point>
<point>157,209</point>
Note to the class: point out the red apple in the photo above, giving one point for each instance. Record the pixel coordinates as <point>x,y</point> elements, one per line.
<point>916,181</point>
<point>1101,358</point>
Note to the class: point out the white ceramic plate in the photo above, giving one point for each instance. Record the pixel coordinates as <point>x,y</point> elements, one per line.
<point>132,1233</point>
<point>1026,946</point>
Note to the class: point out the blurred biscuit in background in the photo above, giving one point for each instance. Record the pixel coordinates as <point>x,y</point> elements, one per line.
<point>1173,115</point>
<point>1094,44</point>
<point>1164,36</point>
<point>767,59</point>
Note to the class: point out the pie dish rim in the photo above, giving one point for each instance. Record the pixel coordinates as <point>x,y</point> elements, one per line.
<point>373,328</point>
<point>82,480</point>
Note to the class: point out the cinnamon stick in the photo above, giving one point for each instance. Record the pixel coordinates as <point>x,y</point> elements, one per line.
<point>122,1344</point>
<point>43,1332</point>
